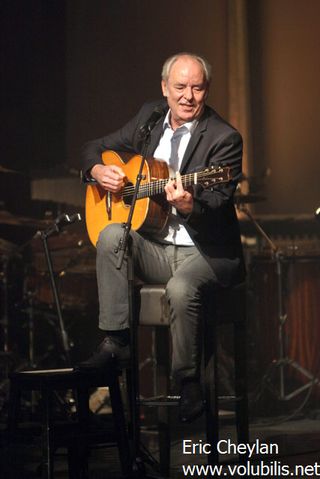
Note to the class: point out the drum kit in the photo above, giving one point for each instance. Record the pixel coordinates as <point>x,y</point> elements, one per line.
<point>47,272</point>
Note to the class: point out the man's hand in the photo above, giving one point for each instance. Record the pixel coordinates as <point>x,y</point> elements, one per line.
<point>178,197</point>
<point>111,178</point>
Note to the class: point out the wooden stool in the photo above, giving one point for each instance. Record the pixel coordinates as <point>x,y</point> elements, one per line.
<point>77,435</point>
<point>227,306</point>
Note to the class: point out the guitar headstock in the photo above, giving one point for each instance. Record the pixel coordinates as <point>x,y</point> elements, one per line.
<point>214,175</point>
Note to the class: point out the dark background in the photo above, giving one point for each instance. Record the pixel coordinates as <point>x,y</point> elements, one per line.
<point>74,70</point>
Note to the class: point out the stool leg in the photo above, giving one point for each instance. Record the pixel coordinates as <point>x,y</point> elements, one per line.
<point>120,426</point>
<point>13,413</point>
<point>164,414</point>
<point>211,393</point>
<point>47,435</point>
<point>162,355</point>
<point>77,462</point>
<point>241,392</point>
<point>13,420</point>
<point>81,450</point>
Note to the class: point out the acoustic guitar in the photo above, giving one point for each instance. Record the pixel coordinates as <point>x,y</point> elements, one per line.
<point>151,210</point>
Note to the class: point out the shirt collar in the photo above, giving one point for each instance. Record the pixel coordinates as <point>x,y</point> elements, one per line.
<point>190,125</point>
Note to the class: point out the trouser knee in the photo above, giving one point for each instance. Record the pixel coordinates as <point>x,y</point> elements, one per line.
<point>109,238</point>
<point>180,293</point>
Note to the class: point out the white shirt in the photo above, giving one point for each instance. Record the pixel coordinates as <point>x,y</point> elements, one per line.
<point>171,148</point>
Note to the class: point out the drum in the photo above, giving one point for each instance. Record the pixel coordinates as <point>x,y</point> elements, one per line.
<point>300,294</point>
<point>73,261</point>
<point>76,290</point>
<point>304,308</point>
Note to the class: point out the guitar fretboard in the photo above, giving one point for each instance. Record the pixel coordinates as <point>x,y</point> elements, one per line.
<point>157,187</point>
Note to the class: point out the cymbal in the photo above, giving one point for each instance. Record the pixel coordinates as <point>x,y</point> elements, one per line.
<point>7,218</point>
<point>7,170</point>
<point>249,198</point>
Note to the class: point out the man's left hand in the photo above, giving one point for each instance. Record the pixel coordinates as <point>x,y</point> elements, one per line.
<point>178,197</point>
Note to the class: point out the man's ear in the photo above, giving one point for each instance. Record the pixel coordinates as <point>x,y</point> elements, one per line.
<point>164,88</point>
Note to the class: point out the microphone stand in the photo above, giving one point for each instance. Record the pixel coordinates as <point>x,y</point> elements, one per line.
<point>44,235</point>
<point>125,246</point>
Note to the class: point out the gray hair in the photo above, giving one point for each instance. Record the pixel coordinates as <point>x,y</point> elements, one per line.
<point>206,67</point>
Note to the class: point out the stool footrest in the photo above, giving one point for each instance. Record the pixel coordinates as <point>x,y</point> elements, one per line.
<point>230,397</point>
<point>160,401</point>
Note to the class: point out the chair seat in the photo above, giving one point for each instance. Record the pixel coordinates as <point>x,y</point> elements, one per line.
<point>154,308</point>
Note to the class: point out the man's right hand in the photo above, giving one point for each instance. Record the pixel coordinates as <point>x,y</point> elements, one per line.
<point>110,178</point>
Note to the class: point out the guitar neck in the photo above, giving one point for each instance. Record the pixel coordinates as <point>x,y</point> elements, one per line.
<point>157,187</point>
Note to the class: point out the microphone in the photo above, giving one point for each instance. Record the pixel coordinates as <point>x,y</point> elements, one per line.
<point>65,219</point>
<point>148,126</point>
<point>61,221</point>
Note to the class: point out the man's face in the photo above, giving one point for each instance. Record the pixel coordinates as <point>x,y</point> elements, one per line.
<point>186,91</point>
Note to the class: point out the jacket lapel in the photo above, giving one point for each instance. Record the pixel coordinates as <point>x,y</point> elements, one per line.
<point>157,130</point>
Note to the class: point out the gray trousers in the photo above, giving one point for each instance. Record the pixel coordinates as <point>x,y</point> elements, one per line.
<point>189,280</point>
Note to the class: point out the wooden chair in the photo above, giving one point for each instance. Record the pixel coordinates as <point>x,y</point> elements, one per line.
<point>78,434</point>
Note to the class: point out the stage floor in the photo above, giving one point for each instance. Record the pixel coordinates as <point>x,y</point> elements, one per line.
<point>283,447</point>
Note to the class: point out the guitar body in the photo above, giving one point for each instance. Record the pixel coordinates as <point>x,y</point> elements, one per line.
<point>102,208</point>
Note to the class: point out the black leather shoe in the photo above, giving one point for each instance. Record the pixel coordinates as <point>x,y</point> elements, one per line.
<point>109,352</point>
<point>191,404</point>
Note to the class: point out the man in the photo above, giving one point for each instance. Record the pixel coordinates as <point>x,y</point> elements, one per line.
<point>200,250</point>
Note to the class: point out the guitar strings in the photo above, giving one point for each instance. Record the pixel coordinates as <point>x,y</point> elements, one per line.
<point>157,186</point>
